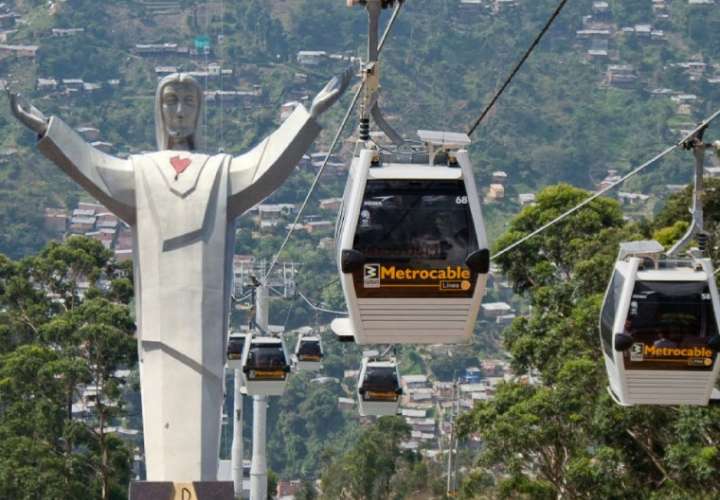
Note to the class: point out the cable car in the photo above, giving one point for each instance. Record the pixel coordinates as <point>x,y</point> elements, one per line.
<point>659,328</point>
<point>308,353</point>
<point>411,245</point>
<point>235,350</point>
<point>265,366</point>
<point>379,388</point>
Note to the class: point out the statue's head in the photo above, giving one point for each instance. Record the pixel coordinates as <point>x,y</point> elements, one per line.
<point>178,108</point>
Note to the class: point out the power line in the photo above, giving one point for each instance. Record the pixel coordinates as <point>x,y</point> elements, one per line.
<point>339,132</point>
<point>321,309</point>
<point>529,51</point>
<point>653,160</point>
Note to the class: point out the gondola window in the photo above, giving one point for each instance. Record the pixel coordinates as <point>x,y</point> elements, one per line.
<point>423,223</point>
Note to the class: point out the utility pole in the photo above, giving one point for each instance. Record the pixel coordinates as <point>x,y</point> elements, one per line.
<point>258,469</point>
<point>237,443</point>
<point>451,486</point>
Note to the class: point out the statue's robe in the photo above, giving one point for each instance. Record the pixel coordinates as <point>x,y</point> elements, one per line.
<point>181,207</point>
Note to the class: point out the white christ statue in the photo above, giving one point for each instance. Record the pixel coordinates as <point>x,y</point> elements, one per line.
<point>181,205</point>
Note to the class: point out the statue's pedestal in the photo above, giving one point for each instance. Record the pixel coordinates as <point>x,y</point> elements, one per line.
<point>199,490</point>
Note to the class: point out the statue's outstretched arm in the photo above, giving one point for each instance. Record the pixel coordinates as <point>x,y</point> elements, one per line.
<point>256,174</point>
<point>109,179</point>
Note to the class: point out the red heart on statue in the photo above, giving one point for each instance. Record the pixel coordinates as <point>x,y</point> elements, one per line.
<point>180,164</point>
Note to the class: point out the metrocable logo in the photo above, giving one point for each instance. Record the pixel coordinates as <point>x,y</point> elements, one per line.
<point>371,276</point>
<point>448,273</point>
<point>682,352</point>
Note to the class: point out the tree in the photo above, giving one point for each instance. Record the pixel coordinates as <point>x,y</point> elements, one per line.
<point>366,471</point>
<point>562,436</point>
<point>71,340</point>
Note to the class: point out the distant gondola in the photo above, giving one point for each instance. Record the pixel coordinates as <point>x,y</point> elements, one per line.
<point>308,353</point>
<point>379,388</point>
<point>235,349</point>
<point>411,245</point>
<point>265,366</point>
<point>659,328</point>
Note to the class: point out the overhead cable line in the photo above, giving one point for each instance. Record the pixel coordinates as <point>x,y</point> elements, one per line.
<point>509,79</point>
<point>339,132</point>
<point>637,170</point>
<point>320,309</point>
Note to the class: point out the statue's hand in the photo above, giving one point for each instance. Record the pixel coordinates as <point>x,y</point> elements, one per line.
<point>27,114</point>
<point>331,93</point>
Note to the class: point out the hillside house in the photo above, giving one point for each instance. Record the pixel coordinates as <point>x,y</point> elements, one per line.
<point>504,5</point>
<point>346,404</point>
<point>93,207</point>
<point>495,309</point>
<point>496,192</point>
<point>332,204</point>
<point>55,220</point>
<point>593,34</point>
<point>73,83</point>
<point>318,226</point>
<point>684,98</point>
<point>407,412</point>
<point>611,178</point>
<point>81,224</point>
<point>89,133</point>
<point>91,88</point>
<point>526,199</point>
<point>107,220</point>
<point>657,35</point>
<point>29,51</point>
<point>104,236</point>
<point>287,490</point>
<point>632,198</point>
<point>46,84</point>
<point>643,30</point>
<point>311,57</point>
<point>66,32</point>
<point>104,146</point>
<point>422,425</point>
<point>156,48</point>
<point>443,391</point>
<point>162,71</point>
<point>598,49</point>
<point>412,382</point>
<point>246,98</point>
<point>505,319</point>
<point>712,171</point>
<point>499,177</point>
<point>621,75</point>
<point>287,109</point>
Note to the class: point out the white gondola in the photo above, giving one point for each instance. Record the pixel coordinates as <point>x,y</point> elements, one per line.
<point>659,328</point>
<point>411,245</point>
<point>235,349</point>
<point>308,353</point>
<point>378,389</point>
<point>265,366</point>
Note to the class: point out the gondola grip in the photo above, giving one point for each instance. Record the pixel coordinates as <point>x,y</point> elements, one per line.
<point>479,261</point>
<point>351,260</point>
<point>623,342</point>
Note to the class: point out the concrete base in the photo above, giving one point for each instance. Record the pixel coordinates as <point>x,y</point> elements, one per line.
<point>199,490</point>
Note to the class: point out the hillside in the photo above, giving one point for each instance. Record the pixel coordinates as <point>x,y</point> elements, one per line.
<point>612,84</point>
